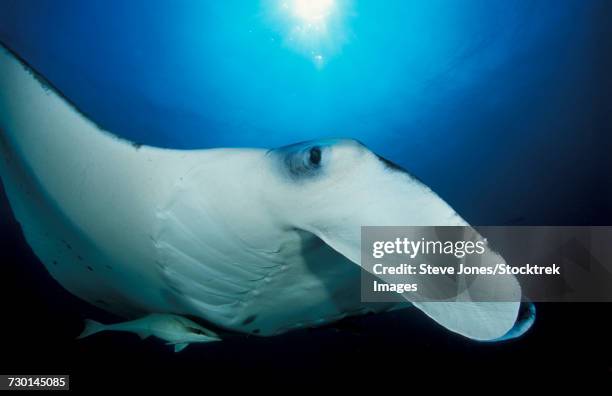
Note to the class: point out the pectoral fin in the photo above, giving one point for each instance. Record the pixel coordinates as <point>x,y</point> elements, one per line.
<point>181,344</point>
<point>180,347</point>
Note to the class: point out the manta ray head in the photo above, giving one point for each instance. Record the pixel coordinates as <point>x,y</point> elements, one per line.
<point>332,188</point>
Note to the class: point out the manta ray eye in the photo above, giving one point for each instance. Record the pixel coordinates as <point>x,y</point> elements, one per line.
<point>315,155</point>
<point>302,160</point>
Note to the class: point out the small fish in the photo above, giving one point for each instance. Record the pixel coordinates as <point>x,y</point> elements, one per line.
<point>175,330</point>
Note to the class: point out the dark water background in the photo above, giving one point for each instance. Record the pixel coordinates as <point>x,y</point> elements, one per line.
<point>503,108</point>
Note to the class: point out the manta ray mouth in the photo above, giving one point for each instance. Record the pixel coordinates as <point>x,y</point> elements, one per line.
<point>525,319</point>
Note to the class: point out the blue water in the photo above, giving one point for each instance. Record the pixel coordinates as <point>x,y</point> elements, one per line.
<point>502,107</point>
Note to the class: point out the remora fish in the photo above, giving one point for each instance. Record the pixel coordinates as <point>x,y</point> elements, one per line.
<point>175,330</point>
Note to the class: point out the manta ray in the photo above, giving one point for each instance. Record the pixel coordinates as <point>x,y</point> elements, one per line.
<point>252,241</point>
